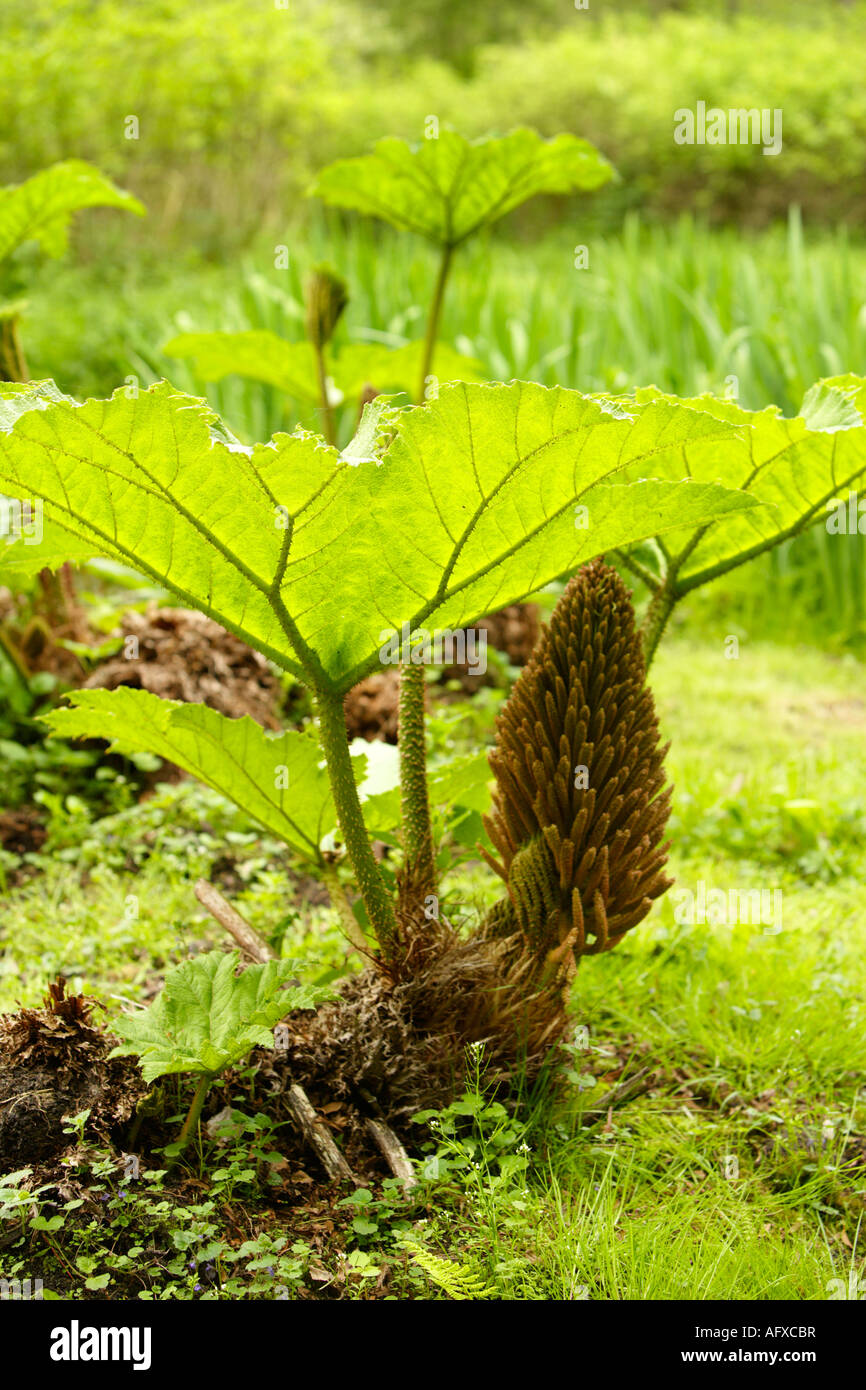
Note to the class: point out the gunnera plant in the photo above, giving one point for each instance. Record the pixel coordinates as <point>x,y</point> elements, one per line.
<point>313,556</point>
<point>578,819</point>
<point>431,517</point>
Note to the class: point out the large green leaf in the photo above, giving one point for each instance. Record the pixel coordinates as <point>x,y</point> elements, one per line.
<point>463,505</point>
<point>449,187</point>
<point>795,466</point>
<point>206,1017</point>
<point>278,779</point>
<point>156,482</point>
<point>41,208</point>
<point>291,367</point>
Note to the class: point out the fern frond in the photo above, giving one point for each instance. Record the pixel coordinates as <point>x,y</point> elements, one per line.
<point>459,1281</point>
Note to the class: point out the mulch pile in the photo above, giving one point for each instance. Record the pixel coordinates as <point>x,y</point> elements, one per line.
<point>182,655</point>
<point>53,1064</point>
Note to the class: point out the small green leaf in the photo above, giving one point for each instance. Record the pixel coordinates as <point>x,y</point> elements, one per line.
<point>291,367</point>
<point>46,1223</point>
<point>206,1018</point>
<point>40,209</point>
<point>447,188</point>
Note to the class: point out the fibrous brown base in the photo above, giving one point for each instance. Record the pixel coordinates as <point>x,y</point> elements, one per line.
<point>396,1043</point>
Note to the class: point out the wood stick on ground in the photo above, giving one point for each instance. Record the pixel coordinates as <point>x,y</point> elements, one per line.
<point>317,1136</point>
<point>395,1155</point>
<point>231,920</point>
<point>632,1086</point>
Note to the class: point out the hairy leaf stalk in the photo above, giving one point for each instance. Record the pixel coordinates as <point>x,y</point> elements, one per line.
<point>420,873</point>
<point>433,319</point>
<point>377,900</point>
<point>661,605</point>
<point>326,297</point>
<point>414,796</point>
<point>579,811</point>
<point>329,423</point>
<point>190,1124</point>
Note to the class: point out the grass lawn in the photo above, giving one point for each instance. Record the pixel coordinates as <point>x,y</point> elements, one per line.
<point>737,1171</point>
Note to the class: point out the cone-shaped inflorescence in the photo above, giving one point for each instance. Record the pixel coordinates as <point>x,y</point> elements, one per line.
<point>579,810</point>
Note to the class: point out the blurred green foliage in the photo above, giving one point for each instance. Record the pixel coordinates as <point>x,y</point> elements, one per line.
<point>670,304</point>
<point>223,95</point>
<point>238,105</point>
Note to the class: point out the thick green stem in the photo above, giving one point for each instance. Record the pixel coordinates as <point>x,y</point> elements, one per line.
<point>433,318</point>
<point>377,900</point>
<point>329,427</point>
<point>190,1124</point>
<point>414,797</point>
<point>662,604</point>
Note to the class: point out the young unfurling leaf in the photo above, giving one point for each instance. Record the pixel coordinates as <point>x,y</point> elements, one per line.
<point>206,1017</point>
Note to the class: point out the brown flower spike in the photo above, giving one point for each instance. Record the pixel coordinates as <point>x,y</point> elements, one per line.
<point>579,810</point>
